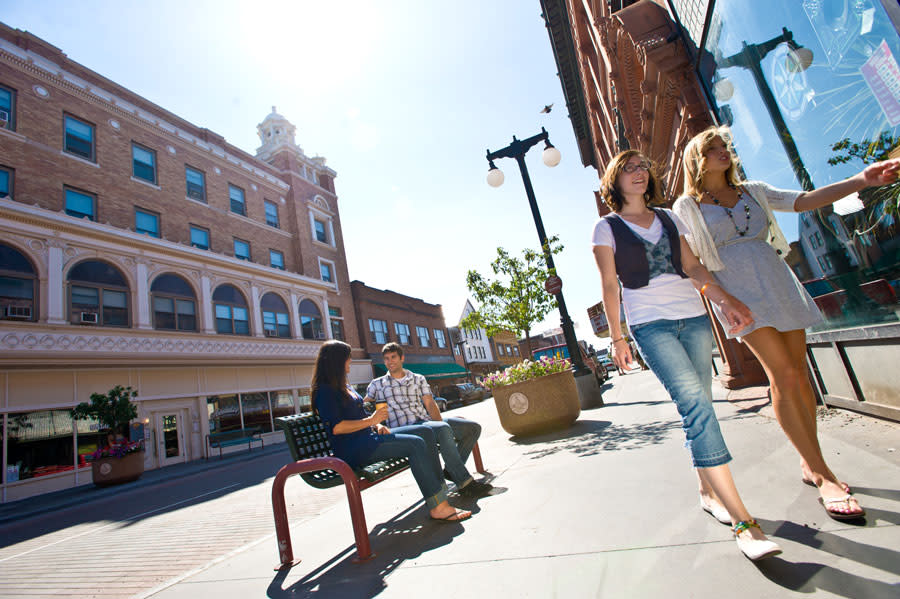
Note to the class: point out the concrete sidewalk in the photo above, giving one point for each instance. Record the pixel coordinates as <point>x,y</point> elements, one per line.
<point>607,508</point>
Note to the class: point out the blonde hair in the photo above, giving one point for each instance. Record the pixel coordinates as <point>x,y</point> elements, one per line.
<point>613,197</point>
<point>695,160</point>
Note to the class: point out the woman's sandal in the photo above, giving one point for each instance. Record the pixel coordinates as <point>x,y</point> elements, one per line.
<point>844,485</point>
<point>716,510</point>
<point>457,516</point>
<point>754,549</point>
<point>842,515</point>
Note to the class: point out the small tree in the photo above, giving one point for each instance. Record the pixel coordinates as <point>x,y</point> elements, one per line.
<point>113,410</point>
<point>517,300</point>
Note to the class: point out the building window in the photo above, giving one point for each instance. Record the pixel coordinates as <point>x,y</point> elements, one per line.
<point>41,444</point>
<point>99,295</point>
<point>326,271</point>
<point>256,411</point>
<point>815,240</point>
<point>439,338</point>
<point>276,259</point>
<point>18,286</point>
<point>271,214</point>
<point>232,316</point>
<point>337,323</point>
<point>402,331</point>
<point>321,232</point>
<point>7,108</point>
<point>199,237</point>
<point>143,163</point>
<point>174,304</point>
<point>516,350</point>
<point>146,222</point>
<point>241,249</point>
<point>223,412</point>
<point>422,334</point>
<point>825,263</point>
<point>276,322</point>
<point>79,138</point>
<point>310,320</point>
<point>322,228</point>
<point>195,182</point>
<point>6,182</point>
<point>81,205</point>
<point>378,329</point>
<point>236,195</point>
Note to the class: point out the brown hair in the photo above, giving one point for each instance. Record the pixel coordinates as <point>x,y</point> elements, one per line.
<point>392,347</point>
<point>611,194</point>
<point>330,369</point>
<point>695,160</point>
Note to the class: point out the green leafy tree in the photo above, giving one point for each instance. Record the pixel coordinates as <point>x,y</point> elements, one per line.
<point>515,300</point>
<point>113,410</point>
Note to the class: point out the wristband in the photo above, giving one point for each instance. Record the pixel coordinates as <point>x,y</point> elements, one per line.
<point>619,339</point>
<point>703,289</point>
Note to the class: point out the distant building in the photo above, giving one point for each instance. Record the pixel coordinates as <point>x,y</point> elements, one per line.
<point>477,346</point>
<point>505,346</point>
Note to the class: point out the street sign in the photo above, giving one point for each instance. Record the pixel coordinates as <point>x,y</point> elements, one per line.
<point>553,285</point>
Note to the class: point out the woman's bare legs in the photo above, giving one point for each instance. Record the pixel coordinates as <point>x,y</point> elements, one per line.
<point>716,484</point>
<point>783,357</point>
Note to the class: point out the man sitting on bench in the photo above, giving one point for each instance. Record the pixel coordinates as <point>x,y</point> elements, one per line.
<point>413,411</point>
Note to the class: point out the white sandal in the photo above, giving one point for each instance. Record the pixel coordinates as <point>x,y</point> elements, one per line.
<point>754,549</point>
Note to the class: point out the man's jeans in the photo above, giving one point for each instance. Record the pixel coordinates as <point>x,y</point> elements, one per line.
<point>679,352</point>
<point>455,450</point>
<point>422,454</point>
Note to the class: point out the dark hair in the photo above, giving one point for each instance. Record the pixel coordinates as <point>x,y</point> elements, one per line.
<point>330,369</point>
<point>610,194</point>
<point>392,347</point>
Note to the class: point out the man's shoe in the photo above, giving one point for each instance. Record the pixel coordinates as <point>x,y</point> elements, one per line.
<point>476,489</point>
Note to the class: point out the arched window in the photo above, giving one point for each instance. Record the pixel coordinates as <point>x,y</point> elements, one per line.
<point>310,320</point>
<point>276,322</point>
<point>18,286</point>
<point>231,311</point>
<point>174,304</point>
<point>98,294</point>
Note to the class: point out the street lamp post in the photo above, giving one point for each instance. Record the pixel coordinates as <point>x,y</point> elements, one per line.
<point>551,157</point>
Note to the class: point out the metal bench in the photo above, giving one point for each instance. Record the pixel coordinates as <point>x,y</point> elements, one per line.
<point>235,437</point>
<point>314,461</point>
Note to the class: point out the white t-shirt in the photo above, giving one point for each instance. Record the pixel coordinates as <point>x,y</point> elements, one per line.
<point>665,297</point>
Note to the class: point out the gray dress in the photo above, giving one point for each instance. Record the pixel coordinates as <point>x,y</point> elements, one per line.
<point>754,273</point>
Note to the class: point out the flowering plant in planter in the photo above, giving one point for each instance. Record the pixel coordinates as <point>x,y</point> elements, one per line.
<point>113,411</point>
<point>118,450</point>
<point>526,371</point>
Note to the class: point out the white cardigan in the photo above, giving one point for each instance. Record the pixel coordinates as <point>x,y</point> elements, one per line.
<point>701,241</point>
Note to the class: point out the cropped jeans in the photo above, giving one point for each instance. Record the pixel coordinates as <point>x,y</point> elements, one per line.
<point>422,453</point>
<point>679,352</point>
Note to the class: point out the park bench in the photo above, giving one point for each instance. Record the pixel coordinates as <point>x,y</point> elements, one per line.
<point>236,437</point>
<point>314,461</point>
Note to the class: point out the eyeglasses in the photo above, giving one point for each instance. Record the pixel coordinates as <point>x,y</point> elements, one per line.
<point>630,168</point>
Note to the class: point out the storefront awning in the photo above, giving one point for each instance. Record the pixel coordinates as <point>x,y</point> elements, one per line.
<point>430,370</point>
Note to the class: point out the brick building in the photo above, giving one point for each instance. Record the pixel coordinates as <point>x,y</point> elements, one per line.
<point>384,316</point>
<point>505,347</point>
<point>139,249</point>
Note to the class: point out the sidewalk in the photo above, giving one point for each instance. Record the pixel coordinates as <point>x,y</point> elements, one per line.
<point>606,508</point>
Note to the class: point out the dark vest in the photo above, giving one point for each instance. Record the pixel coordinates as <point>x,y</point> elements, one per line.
<point>632,265</point>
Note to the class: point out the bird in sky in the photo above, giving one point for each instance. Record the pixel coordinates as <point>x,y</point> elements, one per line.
<point>546,109</point>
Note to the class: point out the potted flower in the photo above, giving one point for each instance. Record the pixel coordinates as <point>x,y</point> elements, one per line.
<point>116,460</point>
<point>535,396</point>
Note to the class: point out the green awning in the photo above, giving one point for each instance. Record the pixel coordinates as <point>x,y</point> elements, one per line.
<point>430,370</point>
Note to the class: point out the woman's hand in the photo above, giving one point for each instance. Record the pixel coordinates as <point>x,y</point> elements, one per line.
<point>382,429</point>
<point>881,173</point>
<point>621,354</point>
<point>379,415</point>
<point>737,314</point>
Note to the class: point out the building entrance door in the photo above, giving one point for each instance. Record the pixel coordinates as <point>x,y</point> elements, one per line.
<point>170,442</point>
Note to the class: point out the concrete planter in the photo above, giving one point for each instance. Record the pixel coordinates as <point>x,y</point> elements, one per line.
<point>539,405</point>
<point>113,471</point>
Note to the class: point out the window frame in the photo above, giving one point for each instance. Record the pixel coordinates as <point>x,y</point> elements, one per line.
<point>238,240</point>
<point>440,340</point>
<point>192,228</point>
<point>93,141</point>
<point>101,288</point>
<point>400,335</point>
<point>419,336</point>
<point>374,333</point>
<point>330,265</point>
<point>272,262</point>
<point>231,306</point>
<point>277,219</point>
<point>317,213</point>
<point>187,190</point>
<point>136,146</point>
<point>67,189</point>
<point>18,274</point>
<point>175,297</point>
<point>11,123</point>
<point>11,179</point>
<point>232,201</point>
<point>138,209</point>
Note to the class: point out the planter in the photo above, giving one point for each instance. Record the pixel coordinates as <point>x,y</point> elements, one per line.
<point>539,405</point>
<point>113,471</point>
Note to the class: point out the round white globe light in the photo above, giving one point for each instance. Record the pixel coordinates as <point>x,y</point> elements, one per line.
<point>551,156</point>
<point>723,90</point>
<point>495,177</point>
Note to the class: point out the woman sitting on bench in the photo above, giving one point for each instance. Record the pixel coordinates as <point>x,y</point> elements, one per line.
<point>360,440</point>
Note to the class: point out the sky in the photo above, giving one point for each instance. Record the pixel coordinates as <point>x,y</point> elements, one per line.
<point>402,97</point>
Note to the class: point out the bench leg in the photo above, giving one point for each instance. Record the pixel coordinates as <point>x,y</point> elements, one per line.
<point>358,518</point>
<point>282,530</point>
<point>476,455</point>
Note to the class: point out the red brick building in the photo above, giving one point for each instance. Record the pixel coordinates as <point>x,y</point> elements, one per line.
<point>139,249</point>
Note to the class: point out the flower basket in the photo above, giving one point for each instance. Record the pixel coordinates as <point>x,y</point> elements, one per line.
<point>538,405</point>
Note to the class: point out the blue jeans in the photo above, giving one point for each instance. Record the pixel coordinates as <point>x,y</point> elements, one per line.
<point>422,455</point>
<point>679,352</point>
<point>444,434</point>
<point>466,433</point>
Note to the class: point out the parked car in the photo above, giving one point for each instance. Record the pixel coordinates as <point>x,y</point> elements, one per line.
<point>562,351</point>
<point>441,403</point>
<point>462,393</point>
<point>607,363</point>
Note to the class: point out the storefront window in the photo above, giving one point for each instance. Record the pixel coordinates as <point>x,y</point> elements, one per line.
<point>39,444</point>
<point>811,91</point>
<point>305,400</point>
<point>282,403</point>
<point>256,411</point>
<point>224,413</point>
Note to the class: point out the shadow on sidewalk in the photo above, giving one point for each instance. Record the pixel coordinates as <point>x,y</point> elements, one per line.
<point>406,536</point>
<point>808,577</point>
<point>589,437</point>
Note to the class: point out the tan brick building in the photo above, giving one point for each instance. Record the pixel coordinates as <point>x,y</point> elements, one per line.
<point>139,249</point>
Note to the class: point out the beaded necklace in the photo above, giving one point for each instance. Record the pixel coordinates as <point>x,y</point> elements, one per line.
<point>730,214</point>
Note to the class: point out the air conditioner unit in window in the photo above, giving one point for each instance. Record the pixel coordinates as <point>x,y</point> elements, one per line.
<point>89,317</point>
<point>4,119</point>
<point>271,333</point>
<point>18,312</point>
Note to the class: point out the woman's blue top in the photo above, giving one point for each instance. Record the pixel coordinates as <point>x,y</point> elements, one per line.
<point>333,407</point>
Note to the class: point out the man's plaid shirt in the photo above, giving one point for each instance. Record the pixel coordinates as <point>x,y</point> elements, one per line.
<point>403,397</point>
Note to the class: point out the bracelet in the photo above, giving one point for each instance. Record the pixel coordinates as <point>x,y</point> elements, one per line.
<point>619,339</point>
